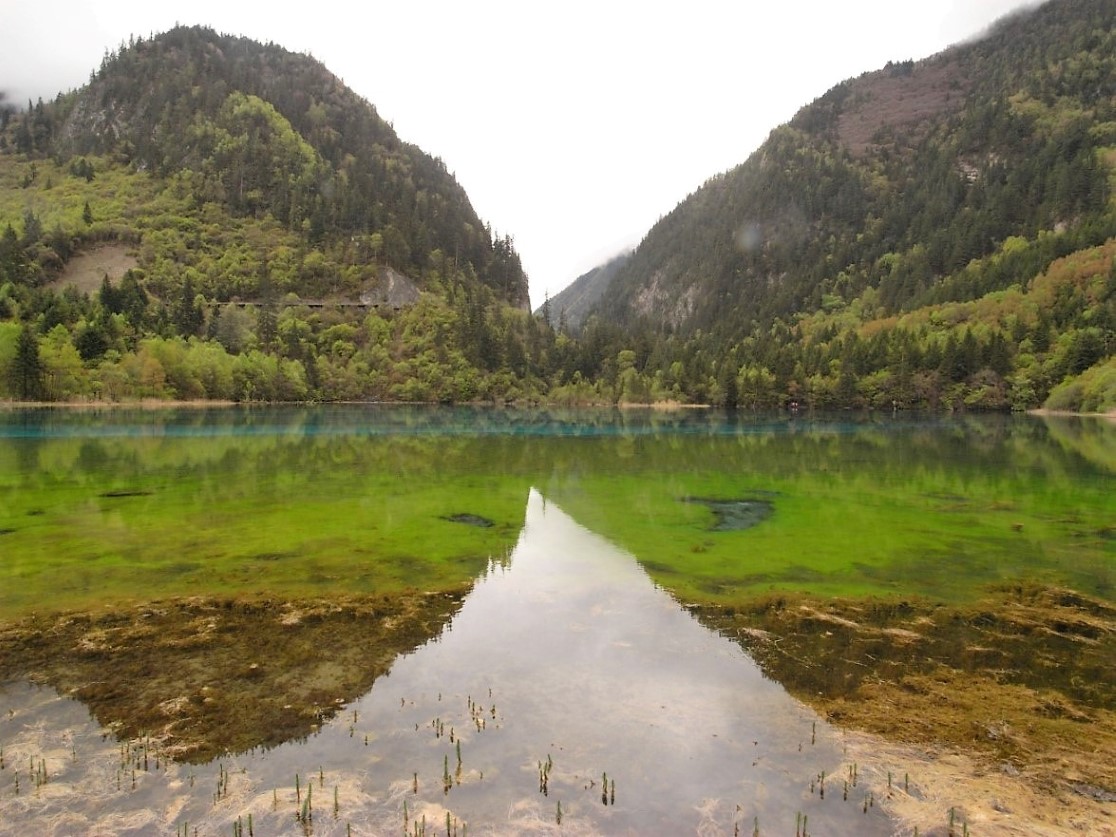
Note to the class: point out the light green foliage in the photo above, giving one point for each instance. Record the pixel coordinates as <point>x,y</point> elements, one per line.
<point>63,372</point>
<point>1094,391</point>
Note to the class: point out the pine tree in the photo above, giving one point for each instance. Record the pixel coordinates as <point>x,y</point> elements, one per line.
<point>27,367</point>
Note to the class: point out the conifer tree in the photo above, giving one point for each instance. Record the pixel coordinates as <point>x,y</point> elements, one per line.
<point>27,366</point>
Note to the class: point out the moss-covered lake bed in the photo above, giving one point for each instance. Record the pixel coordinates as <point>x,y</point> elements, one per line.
<point>944,588</point>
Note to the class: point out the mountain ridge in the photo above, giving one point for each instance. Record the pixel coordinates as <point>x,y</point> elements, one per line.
<point>827,144</point>
<point>281,241</point>
<point>569,307</point>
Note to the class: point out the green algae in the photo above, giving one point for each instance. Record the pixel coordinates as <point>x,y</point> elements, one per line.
<point>244,503</point>
<point>232,515</point>
<point>921,511</point>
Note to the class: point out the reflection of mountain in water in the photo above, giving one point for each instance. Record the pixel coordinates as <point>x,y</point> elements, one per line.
<point>589,664</point>
<point>566,656</point>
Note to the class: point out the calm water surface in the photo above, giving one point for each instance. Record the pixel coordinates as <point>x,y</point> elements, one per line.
<point>567,652</point>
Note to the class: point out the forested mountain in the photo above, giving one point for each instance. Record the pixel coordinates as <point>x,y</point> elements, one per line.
<point>924,184</point>
<point>935,234</point>
<point>569,308</point>
<point>233,172</point>
<point>258,129</point>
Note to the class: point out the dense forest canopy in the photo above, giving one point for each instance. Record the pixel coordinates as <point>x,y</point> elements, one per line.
<point>933,234</point>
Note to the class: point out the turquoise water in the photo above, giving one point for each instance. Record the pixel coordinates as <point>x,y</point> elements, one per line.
<point>572,638</point>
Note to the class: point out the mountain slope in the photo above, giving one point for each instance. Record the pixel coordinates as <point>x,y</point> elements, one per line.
<point>569,307</point>
<point>263,131</point>
<point>892,183</point>
<point>255,232</point>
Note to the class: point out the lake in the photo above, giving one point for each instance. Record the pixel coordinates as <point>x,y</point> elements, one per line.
<point>550,672</point>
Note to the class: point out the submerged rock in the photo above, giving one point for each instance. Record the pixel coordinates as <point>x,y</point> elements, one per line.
<point>735,515</point>
<point>471,520</point>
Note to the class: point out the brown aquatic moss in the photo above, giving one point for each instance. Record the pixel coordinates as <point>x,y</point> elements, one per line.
<point>205,676</point>
<point>1024,679</point>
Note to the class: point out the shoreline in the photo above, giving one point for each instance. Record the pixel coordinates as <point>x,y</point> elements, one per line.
<point>199,404</point>
<point>1110,415</point>
<point>142,404</point>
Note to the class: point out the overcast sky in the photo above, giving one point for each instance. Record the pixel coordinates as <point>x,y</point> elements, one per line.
<point>573,126</point>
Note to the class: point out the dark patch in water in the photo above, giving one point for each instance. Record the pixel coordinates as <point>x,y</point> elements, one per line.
<point>6,531</point>
<point>35,513</point>
<point>126,492</point>
<point>471,520</point>
<point>272,556</point>
<point>735,515</point>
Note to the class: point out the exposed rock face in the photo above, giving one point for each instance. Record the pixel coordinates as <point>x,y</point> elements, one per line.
<point>392,290</point>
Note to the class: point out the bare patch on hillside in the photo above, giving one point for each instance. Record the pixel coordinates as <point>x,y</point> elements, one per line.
<point>899,101</point>
<point>87,270</point>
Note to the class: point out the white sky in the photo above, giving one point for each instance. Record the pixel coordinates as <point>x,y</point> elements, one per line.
<point>573,126</point>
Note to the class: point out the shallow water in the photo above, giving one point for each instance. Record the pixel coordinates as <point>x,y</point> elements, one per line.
<point>571,650</point>
<point>566,655</point>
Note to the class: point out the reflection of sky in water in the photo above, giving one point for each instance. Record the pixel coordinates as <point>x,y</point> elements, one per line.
<point>585,662</point>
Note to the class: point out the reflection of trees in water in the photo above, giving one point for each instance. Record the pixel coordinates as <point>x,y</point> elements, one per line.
<point>439,444</point>
<point>1091,438</point>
